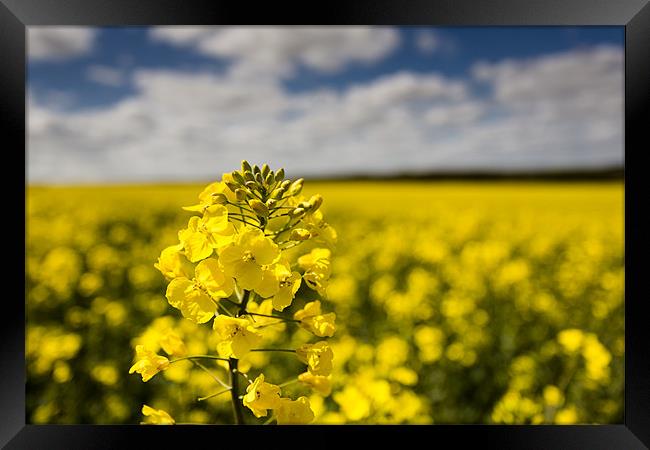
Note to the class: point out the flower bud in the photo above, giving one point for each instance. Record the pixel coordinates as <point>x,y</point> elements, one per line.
<point>241,194</point>
<point>258,178</point>
<point>251,184</point>
<point>232,185</point>
<point>270,179</point>
<point>316,201</point>
<point>219,199</point>
<point>279,175</point>
<point>265,170</point>
<point>248,176</point>
<point>259,208</point>
<point>299,234</point>
<point>298,212</point>
<point>256,169</point>
<point>296,187</point>
<point>238,177</point>
<point>245,166</point>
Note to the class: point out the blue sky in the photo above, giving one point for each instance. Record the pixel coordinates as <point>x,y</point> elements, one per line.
<point>186,103</point>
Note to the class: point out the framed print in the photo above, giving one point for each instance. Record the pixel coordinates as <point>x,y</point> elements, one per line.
<point>382,220</point>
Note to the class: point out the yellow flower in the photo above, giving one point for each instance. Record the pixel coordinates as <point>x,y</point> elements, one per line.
<point>204,234</point>
<point>289,283</point>
<point>319,229</point>
<point>156,416</point>
<point>195,304</point>
<point>172,263</point>
<point>318,383</point>
<point>237,336</point>
<point>317,269</point>
<point>244,258</point>
<point>318,357</point>
<point>210,276</point>
<point>270,284</point>
<point>195,298</point>
<point>208,196</point>
<point>312,320</point>
<point>261,396</point>
<point>173,344</point>
<point>149,363</point>
<point>296,412</point>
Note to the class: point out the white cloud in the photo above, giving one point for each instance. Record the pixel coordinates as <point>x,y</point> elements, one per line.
<point>106,75</point>
<point>183,126</point>
<point>59,43</point>
<point>277,51</point>
<point>427,41</point>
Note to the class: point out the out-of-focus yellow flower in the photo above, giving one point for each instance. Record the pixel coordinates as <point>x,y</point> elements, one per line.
<point>354,405</point>
<point>597,358</point>
<point>173,344</point>
<point>149,363</point>
<point>156,416</point>
<point>244,258</point>
<point>61,372</point>
<point>318,383</point>
<point>261,396</point>
<point>392,351</point>
<point>313,320</point>
<point>105,374</point>
<point>237,336</point>
<point>553,396</point>
<point>571,339</point>
<point>566,416</point>
<point>318,357</point>
<point>290,412</point>
<point>404,375</point>
<point>430,343</point>
<point>317,269</point>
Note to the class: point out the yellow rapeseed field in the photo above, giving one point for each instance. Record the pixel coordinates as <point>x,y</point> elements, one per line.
<point>456,302</point>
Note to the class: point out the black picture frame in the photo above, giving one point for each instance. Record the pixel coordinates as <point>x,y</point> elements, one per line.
<point>634,15</point>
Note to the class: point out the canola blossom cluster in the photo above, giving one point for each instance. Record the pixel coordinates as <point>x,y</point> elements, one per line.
<point>251,242</point>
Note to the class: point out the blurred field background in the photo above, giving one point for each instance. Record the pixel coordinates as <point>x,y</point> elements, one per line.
<point>456,302</point>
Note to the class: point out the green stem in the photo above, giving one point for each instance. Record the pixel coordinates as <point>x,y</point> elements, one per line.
<point>200,399</point>
<point>246,222</point>
<point>241,207</point>
<point>198,357</point>
<point>244,303</point>
<point>273,350</point>
<point>234,392</point>
<point>214,377</point>
<point>224,309</point>
<point>287,383</point>
<point>272,316</point>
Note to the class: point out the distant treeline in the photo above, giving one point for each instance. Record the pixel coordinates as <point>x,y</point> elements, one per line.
<point>617,173</point>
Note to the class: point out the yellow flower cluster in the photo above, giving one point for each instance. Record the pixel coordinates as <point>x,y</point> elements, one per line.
<point>242,249</point>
